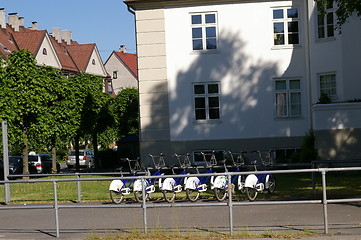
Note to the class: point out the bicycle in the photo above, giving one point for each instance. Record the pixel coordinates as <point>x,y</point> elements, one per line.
<point>171,186</point>
<point>118,188</point>
<point>220,184</point>
<point>149,184</point>
<point>256,183</point>
<point>194,185</point>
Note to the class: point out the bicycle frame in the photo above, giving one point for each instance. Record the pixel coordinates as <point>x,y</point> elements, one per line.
<point>259,182</point>
<point>200,184</point>
<point>175,184</point>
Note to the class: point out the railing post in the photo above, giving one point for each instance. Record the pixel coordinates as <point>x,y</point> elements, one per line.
<point>324,200</point>
<point>230,204</point>
<point>56,208</point>
<point>79,187</point>
<point>4,127</point>
<point>144,206</point>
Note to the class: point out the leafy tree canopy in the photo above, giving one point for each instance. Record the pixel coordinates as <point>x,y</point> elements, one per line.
<point>345,9</point>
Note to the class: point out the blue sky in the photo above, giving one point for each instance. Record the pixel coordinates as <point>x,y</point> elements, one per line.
<point>104,22</point>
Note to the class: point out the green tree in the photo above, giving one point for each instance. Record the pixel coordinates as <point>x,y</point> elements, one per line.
<point>23,97</point>
<point>125,109</point>
<point>345,9</point>
<point>55,124</point>
<point>88,100</point>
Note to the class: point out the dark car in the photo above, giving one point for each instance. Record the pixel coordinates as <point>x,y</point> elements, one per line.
<point>15,165</point>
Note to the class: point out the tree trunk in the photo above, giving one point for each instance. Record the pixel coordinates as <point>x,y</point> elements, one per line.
<point>25,153</point>
<point>95,144</point>
<point>53,157</point>
<point>77,167</point>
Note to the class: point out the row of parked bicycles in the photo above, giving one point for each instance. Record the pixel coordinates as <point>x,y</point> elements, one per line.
<point>194,185</point>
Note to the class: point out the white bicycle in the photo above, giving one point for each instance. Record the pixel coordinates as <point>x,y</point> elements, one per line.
<point>256,183</point>
<point>171,186</point>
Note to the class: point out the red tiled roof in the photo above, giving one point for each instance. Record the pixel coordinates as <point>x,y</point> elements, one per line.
<point>74,57</point>
<point>81,54</point>
<point>129,60</point>
<point>30,40</point>
<point>65,59</point>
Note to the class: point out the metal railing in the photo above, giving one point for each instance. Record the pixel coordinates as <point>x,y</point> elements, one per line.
<point>144,205</point>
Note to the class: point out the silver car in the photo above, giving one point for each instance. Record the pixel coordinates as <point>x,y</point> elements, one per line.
<point>86,158</point>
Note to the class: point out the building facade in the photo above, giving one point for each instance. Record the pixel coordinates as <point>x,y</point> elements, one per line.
<point>122,69</point>
<point>246,75</point>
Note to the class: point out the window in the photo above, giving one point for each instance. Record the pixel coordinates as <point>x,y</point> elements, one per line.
<point>45,52</point>
<point>325,20</point>
<point>109,86</point>
<point>206,101</point>
<point>285,26</point>
<point>93,61</point>
<point>115,74</point>
<point>328,85</point>
<point>288,97</point>
<point>204,31</point>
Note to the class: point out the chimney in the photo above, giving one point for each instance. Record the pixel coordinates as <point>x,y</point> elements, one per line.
<point>2,18</point>
<point>13,20</point>
<point>56,34</point>
<point>34,26</point>
<point>21,21</point>
<point>122,49</point>
<point>66,35</point>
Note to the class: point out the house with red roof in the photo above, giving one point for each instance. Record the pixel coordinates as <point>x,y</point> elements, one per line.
<point>122,68</point>
<point>56,49</point>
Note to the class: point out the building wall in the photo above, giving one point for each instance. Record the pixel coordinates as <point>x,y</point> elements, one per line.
<point>124,78</point>
<point>245,64</point>
<point>50,59</point>
<point>153,85</point>
<point>97,68</point>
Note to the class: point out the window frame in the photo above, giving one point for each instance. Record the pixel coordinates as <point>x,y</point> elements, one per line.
<point>331,96</point>
<point>203,25</point>
<point>288,91</point>
<point>206,96</point>
<point>286,20</point>
<point>328,10</point>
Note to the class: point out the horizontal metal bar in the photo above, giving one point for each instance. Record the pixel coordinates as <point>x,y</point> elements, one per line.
<point>188,175</point>
<point>26,207</point>
<point>344,200</point>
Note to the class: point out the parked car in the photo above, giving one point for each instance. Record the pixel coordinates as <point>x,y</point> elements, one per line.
<point>86,158</point>
<point>15,165</point>
<point>41,163</point>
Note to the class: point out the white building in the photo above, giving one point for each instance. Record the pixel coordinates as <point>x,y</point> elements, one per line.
<point>246,75</point>
<point>122,68</point>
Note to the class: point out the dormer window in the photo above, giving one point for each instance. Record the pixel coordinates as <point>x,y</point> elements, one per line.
<point>45,52</point>
<point>93,61</point>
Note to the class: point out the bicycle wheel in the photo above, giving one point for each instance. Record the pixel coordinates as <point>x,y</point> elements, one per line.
<point>251,193</point>
<point>138,195</point>
<point>242,187</point>
<point>116,197</point>
<point>169,196</point>
<point>220,194</point>
<point>192,194</point>
<point>271,185</point>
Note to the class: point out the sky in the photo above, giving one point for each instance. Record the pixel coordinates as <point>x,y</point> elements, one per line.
<point>107,23</point>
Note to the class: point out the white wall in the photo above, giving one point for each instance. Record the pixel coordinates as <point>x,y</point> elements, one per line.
<point>245,64</point>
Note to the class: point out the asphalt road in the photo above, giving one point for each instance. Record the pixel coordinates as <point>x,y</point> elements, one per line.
<point>80,223</point>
